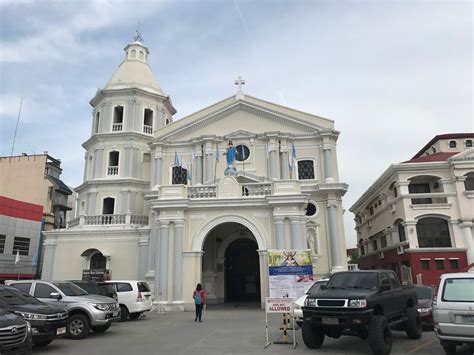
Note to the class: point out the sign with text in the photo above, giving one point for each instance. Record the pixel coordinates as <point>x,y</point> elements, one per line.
<point>290,272</point>
<point>279,305</point>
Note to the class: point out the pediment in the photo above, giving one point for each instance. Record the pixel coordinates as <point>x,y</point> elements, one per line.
<point>468,154</point>
<point>233,118</point>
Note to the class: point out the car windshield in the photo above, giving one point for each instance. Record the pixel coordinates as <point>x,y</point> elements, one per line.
<point>423,293</point>
<point>11,296</point>
<point>365,280</point>
<point>316,286</point>
<point>106,289</point>
<point>69,289</point>
<point>459,290</point>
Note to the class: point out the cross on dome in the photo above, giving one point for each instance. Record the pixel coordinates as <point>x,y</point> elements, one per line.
<point>138,37</point>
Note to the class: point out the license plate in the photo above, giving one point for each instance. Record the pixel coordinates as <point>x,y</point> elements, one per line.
<point>115,314</point>
<point>467,319</point>
<point>330,321</point>
<point>61,331</point>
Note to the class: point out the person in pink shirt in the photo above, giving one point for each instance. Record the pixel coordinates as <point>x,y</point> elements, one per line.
<point>199,301</point>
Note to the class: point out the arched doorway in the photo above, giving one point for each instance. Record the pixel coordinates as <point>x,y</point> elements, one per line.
<point>230,264</point>
<point>242,274</point>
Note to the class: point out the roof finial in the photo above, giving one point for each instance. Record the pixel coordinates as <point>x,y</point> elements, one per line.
<point>239,82</point>
<point>138,35</point>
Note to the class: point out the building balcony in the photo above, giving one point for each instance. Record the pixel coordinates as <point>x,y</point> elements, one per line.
<point>117,127</point>
<point>108,220</point>
<point>434,200</point>
<point>147,129</point>
<point>112,170</point>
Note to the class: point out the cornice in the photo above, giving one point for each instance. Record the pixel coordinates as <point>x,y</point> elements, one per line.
<point>124,137</point>
<point>125,181</point>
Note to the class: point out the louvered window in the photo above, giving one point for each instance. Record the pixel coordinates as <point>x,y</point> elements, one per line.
<point>22,245</point>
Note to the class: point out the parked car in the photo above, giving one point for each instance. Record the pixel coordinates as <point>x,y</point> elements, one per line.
<point>425,296</point>
<point>134,298</point>
<point>97,288</point>
<point>453,311</point>
<point>47,321</point>
<point>85,311</point>
<point>361,303</point>
<point>299,303</point>
<point>15,334</point>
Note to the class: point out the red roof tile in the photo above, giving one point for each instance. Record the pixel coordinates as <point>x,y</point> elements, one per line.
<point>432,157</point>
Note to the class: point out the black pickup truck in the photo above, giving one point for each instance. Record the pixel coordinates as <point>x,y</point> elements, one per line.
<point>361,303</point>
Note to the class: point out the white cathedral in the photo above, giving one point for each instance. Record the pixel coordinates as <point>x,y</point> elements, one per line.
<point>198,199</point>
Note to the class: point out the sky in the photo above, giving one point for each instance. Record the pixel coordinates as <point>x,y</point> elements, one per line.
<point>391,74</point>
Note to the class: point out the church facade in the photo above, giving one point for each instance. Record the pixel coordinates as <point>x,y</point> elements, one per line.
<point>199,199</point>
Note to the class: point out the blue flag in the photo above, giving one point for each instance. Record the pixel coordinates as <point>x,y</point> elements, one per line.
<point>176,159</point>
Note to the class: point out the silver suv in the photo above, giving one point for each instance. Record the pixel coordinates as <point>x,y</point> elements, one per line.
<point>85,311</point>
<point>453,311</point>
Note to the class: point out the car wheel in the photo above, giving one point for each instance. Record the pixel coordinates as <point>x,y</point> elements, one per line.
<point>413,326</point>
<point>449,347</point>
<point>101,328</point>
<point>135,315</point>
<point>78,326</point>
<point>380,335</point>
<point>42,343</point>
<point>313,337</point>
<point>123,313</point>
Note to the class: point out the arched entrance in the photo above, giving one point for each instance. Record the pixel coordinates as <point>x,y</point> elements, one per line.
<point>230,264</point>
<point>242,274</point>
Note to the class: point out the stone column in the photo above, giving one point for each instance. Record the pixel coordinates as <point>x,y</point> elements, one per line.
<point>328,173</point>
<point>209,173</point>
<point>468,242</point>
<point>264,286</point>
<point>198,168</point>
<point>143,251</point>
<point>154,239</point>
<point>279,223</point>
<point>178,262</point>
<point>295,233</point>
<point>158,161</point>
<point>411,234</point>
<point>99,158</point>
<point>163,260</point>
<point>284,163</point>
<point>272,160</point>
<point>334,241</point>
<point>49,258</point>
<point>86,167</point>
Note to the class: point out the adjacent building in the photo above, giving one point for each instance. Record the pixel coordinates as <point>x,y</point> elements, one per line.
<point>32,180</point>
<point>417,218</point>
<point>200,199</point>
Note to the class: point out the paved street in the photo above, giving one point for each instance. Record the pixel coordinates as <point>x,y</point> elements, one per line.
<point>224,330</point>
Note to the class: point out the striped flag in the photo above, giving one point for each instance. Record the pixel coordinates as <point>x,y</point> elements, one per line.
<point>185,166</point>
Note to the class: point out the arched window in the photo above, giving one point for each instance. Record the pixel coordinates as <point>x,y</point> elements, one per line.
<point>469,182</point>
<point>108,206</point>
<point>433,232</point>
<point>97,122</point>
<point>118,119</point>
<point>393,188</point>
<point>305,169</point>
<point>98,262</point>
<point>133,54</point>
<point>401,231</point>
<point>452,144</point>
<point>141,55</point>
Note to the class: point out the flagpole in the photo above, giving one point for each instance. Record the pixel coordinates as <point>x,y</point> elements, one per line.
<point>215,170</point>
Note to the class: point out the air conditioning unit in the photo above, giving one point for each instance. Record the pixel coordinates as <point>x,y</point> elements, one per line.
<point>381,256</point>
<point>400,250</point>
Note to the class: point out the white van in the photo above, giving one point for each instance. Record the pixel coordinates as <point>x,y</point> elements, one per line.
<point>134,297</point>
<point>453,311</point>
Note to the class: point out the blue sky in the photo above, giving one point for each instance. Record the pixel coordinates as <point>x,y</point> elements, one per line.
<point>392,74</point>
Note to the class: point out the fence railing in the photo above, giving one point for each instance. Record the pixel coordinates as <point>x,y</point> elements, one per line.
<point>206,191</point>
<point>112,170</point>
<point>108,219</point>
<point>147,129</point>
<point>256,189</point>
<point>117,127</point>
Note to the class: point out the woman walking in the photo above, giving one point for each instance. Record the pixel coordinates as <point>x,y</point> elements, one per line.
<point>199,302</point>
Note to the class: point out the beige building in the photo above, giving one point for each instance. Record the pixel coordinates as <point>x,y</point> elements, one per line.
<point>417,218</point>
<point>36,179</point>
<point>200,199</point>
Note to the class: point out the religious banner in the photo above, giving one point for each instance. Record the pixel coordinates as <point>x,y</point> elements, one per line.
<point>290,272</point>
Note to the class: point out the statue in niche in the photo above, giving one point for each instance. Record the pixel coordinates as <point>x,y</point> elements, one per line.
<point>311,235</point>
<point>230,158</point>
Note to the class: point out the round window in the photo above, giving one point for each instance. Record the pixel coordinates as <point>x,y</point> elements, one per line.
<point>311,209</point>
<point>242,152</point>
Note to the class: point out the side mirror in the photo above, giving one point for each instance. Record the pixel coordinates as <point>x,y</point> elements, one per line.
<point>384,287</point>
<point>55,295</point>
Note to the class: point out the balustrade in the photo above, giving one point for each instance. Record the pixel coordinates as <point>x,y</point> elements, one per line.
<point>147,129</point>
<point>207,191</point>
<point>117,127</point>
<point>112,170</point>
<point>256,189</point>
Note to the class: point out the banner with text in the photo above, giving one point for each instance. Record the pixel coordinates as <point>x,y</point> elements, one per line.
<point>290,272</point>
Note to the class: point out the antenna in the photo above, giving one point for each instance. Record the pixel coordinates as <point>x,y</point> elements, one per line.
<point>16,128</point>
<point>138,36</point>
